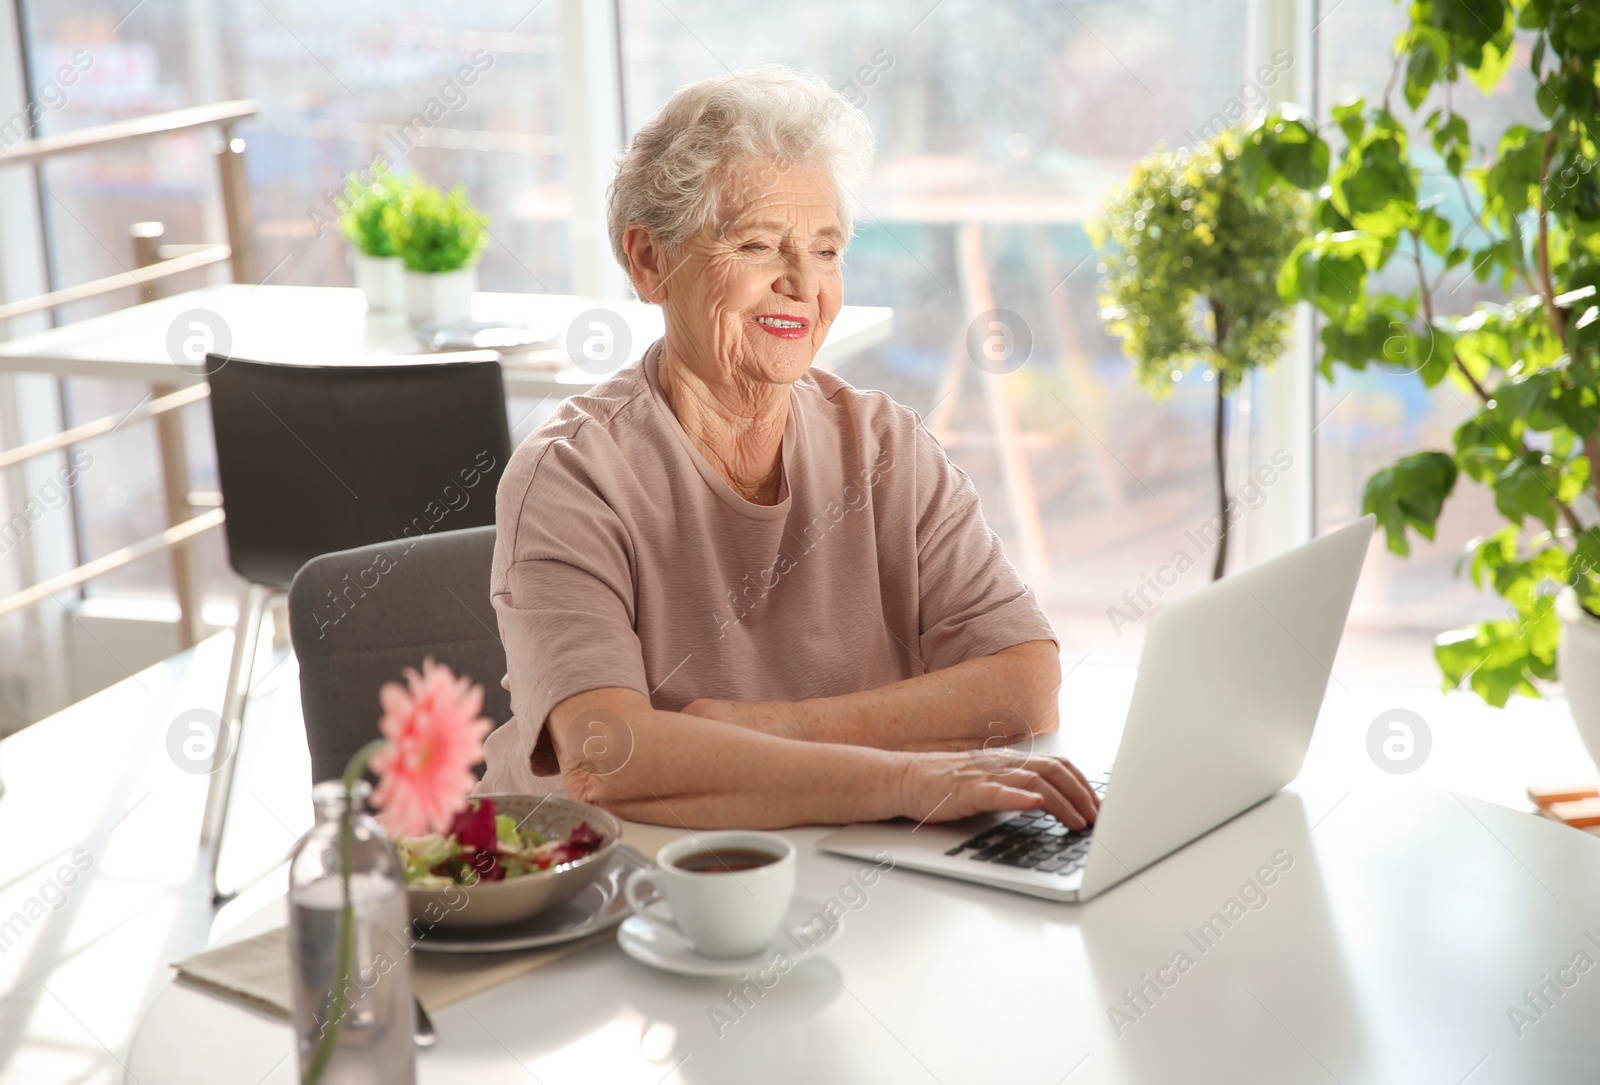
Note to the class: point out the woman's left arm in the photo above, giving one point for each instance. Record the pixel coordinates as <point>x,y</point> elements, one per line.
<point>991,701</point>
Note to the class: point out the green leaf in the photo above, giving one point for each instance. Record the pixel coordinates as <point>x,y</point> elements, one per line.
<point>1410,493</point>
<point>1547,95</point>
<point>1283,148</point>
<point>1573,185</point>
<point>1351,119</point>
<point>1526,487</point>
<point>1360,338</point>
<point>1508,184</point>
<point>1432,353</point>
<point>1497,658</point>
<point>1320,272</point>
<point>1435,231</point>
<point>1547,400</point>
<point>1326,217</point>
<point>1452,141</point>
<point>1473,23</point>
<point>1583,569</point>
<point>1482,449</point>
<point>1497,564</point>
<point>1534,15</point>
<point>1573,480</point>
<point>1497,55</point>
<point>1536,58</point>
<point>1422,70</point>
<point>1374,188</point>
<point>1387,334</point>
<point>1491,556</point>
<point>1541,632</point>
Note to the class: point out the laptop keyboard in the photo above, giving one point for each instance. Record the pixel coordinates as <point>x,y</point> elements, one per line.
<point>1033,840</point>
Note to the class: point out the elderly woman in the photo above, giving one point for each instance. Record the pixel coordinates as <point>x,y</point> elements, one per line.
<point>733,589</point>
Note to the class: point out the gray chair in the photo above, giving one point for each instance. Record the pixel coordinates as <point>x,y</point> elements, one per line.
<point>359,617</point>
<point>314,459</point>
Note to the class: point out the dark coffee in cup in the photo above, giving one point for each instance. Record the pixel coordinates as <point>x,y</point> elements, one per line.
<point>724,860</point>
<point>726,890</point>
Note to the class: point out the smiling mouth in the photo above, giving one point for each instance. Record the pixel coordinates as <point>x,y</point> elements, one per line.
<point>784,325</point>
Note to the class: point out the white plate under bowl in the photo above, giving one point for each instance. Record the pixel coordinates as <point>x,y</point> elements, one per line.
<point>799,936</point>
<point>598,906</point>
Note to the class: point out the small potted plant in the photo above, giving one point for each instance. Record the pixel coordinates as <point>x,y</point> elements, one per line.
<point>438,236</point>
<point>372,198</point>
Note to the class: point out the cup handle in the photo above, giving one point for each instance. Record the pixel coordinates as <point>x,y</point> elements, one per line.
<point>630,891</point>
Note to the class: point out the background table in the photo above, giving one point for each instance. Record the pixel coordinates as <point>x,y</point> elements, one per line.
<point>331,324</point>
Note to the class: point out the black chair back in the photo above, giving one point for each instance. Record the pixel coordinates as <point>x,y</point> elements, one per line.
<point>319,458</point>
<point>359,617</point>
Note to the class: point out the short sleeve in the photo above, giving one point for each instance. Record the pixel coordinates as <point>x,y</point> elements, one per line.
<point>972,602</point>
<point>563,589</point>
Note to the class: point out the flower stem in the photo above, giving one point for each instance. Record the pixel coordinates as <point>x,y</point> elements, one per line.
<point>339,1002</point>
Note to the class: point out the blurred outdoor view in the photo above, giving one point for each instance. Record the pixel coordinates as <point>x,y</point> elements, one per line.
<point>1001,125</point>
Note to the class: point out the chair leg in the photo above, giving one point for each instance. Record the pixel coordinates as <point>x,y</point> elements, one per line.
<point>252,605</point>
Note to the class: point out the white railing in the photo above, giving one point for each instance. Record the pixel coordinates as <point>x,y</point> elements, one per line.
<point>156,262</point>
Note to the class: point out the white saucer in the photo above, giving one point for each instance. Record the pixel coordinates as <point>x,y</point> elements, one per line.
<point>804,932</point>
<point>595,907</point>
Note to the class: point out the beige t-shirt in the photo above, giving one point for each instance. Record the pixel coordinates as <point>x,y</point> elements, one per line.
<point>623,559</point>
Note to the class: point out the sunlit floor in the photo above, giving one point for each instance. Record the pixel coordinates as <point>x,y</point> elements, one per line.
<point>75,980</point>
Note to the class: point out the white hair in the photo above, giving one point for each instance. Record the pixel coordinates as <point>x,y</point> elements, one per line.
<point>673,178</point>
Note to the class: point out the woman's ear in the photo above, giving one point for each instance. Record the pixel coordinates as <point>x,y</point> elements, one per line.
<point>647,263</point>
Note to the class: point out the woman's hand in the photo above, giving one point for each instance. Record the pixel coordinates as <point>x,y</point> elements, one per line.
<point>947,786</point>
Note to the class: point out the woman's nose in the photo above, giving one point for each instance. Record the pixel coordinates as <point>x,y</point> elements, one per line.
<point>799,279</point>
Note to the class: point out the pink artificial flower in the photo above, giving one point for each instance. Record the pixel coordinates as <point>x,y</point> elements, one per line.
<point>435,734</point>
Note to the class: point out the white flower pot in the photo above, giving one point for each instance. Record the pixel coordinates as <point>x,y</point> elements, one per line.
<point>1578,663</point>
<point>440,295</point>
<point>382,280</point>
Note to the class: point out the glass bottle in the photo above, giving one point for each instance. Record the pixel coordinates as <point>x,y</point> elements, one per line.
<point>371,1041</point>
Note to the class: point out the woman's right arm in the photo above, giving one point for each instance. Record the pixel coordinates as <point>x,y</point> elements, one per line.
<point>641,763</point>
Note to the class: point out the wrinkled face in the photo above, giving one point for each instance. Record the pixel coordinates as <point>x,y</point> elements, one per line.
<point>750,299</point>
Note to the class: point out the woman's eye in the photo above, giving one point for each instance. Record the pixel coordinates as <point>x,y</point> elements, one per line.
<point>756,246</point>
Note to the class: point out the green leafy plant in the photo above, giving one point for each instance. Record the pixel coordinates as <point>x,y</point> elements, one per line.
<point>371,200</point>
<point>1526,368</point>
<point>1191,260</point>
<point>437,231</point>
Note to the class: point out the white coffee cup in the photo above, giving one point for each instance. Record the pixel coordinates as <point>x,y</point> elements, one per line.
<point>721,913</point>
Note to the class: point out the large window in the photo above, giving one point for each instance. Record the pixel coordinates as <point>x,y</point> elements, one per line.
<point>336,84</point>
<point>1001,126</point>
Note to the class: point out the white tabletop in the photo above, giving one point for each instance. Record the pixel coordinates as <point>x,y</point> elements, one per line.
<point>1409,923</point>
<point>331,325</point>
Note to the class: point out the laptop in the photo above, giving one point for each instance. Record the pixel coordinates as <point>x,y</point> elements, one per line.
<point>1230,684</point>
